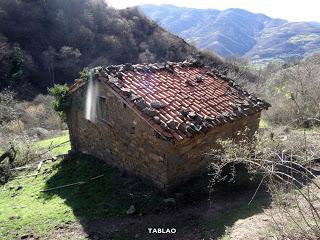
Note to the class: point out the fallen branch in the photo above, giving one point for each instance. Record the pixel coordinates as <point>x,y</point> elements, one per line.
<point>72,184</point>
<point>26,176</point>
<point>36,164</point>
<point>51,148</point>
<point>22,168</point>
<point>63,186</point>
<point>39,167</point>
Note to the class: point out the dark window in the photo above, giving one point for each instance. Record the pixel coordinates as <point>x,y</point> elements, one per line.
<point>102,109</point>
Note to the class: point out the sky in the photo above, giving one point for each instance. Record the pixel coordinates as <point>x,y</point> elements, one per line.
<point>292,10</point>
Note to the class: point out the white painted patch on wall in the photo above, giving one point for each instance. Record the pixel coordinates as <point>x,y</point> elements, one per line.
<point>91,99</point>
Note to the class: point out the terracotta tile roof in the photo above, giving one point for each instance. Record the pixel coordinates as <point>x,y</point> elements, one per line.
<point>179,100</point>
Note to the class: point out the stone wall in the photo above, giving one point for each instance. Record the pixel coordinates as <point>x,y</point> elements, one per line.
<point>125,140</point>
<point>190,156</point>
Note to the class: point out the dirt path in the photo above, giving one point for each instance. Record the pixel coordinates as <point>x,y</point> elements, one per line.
<point>254,227</point>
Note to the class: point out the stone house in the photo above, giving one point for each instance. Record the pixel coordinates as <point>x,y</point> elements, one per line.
<point>158,120</point>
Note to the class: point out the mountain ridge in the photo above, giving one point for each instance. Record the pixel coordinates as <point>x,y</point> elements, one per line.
<point>239,32</point>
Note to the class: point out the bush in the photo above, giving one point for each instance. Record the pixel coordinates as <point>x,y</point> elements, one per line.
<point>40,113</point>
<point>60,103</point>
<point>282,161</point>
<point>8,111</point>
<point>294,93</point>
<point>85,74</point>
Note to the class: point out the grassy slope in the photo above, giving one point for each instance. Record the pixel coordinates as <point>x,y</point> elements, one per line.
<point>28,210</point>
<point>44,145</point>
<point>25,210</point>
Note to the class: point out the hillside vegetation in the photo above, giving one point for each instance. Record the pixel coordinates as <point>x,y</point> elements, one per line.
<point>48,42</point>
<point>239,32</point>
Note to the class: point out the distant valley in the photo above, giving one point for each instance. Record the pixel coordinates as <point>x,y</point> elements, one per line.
<point>238,32</point>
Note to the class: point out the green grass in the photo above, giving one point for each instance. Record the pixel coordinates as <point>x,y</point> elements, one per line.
<point>24,211</point>
<point>29,210</point>
<point>44,145</point>
<point>263,123</point>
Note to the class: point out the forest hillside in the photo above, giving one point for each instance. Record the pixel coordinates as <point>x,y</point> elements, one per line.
<point>43,43</point>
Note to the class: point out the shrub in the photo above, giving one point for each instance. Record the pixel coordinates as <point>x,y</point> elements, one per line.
<point>40,114</point>
<point>282,161</point>
<point>294,93</point>
<point>8,111</point>
<point>85,74</point>
<point>60,103</point>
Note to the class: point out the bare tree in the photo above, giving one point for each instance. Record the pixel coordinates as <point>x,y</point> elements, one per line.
<point>48,57</point>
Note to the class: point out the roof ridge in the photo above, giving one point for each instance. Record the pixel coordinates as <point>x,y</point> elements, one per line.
<point>167,65</point>
<point>118,70</point>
